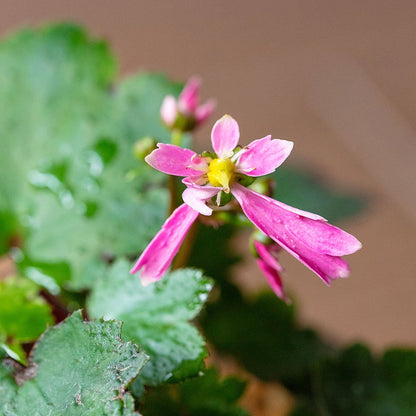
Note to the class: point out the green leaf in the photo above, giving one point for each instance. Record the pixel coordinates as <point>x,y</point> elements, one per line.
<point>305,191</point>
<point>397,395</point>
<point>51,82</point>
<point>48,275</point>
<point>353,372</point>
<point>79,368</point>
<point>68,196</point>
<point>8,386</point>
<point>9,230</point>
<point>24,315</point>
<point>156,317</point>
<point>202,396</point>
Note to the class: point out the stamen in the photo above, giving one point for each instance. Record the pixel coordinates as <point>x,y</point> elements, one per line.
<point>227,155</point>
<point>218,201</point>
<point>239,154</point>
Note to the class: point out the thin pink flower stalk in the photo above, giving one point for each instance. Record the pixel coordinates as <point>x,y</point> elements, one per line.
<point>184,113</point>
<point>308,237</point>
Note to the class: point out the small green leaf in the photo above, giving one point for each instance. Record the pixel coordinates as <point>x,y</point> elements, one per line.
<point>79,368</point>
<point>48,275</point>
<point>24,315</point>
<point>156,317</point>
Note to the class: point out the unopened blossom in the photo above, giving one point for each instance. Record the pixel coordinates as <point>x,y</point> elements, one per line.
<point>270,266</point>
<point>308,237</point>
<point>185,113</point>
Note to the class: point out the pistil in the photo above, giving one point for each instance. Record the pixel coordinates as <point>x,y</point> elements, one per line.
<point>221,173</point>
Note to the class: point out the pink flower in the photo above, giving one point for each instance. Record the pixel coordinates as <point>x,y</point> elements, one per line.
<point>306,236</point>
<point>183,113</point>
<point>270,267</point>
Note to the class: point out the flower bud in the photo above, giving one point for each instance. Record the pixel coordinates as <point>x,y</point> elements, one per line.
<point>144,147</point>
<point>263,186</point>
<point>184,114</point>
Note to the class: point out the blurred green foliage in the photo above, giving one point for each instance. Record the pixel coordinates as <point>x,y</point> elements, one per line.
<point>354,382</point>
<point>66,196</point>
<point>24,315</point>
<point>201,396</point>
<point>264,336</point>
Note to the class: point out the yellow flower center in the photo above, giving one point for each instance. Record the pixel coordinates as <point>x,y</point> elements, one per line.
<point>221,173</point>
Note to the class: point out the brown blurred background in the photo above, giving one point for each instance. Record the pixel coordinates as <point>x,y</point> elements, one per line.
<point>336,77</point>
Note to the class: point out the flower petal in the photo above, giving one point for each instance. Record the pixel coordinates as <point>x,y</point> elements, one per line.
<point>204,111</point>
<point>196,198</point>
<point>188,98</point>
<point>265,253</point>
<point>273,277</point>
<point>300,212</point>
<point>158,255</point>
<point>224,136</point>
<point>173,160</point>
<point>168,110</point>
<point>263,156</point>
<point>270,267</point>
<point>315,243</point>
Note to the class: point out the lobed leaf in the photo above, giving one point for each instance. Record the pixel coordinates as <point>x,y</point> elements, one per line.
<point>156,317</point>
<point>78,368</point>
<point>24,315</point>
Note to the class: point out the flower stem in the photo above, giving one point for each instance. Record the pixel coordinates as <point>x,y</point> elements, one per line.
<point>184,253</point>
<point>176,137</point>
<point>172,186</point>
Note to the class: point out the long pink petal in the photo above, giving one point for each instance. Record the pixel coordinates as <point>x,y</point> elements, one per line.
<point>196,198</point>
<point>168,110</point>
<point>204,111</point>
<point>298,211</point>
<point>173,160</point>
<point>315,243</point>
<point>273,277</point>
<point>158,255</point>
<point>188,98</point>
<point>270,267</point>
<point>225,135</point>
<point>263,156</point>
<point>265,253</point>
